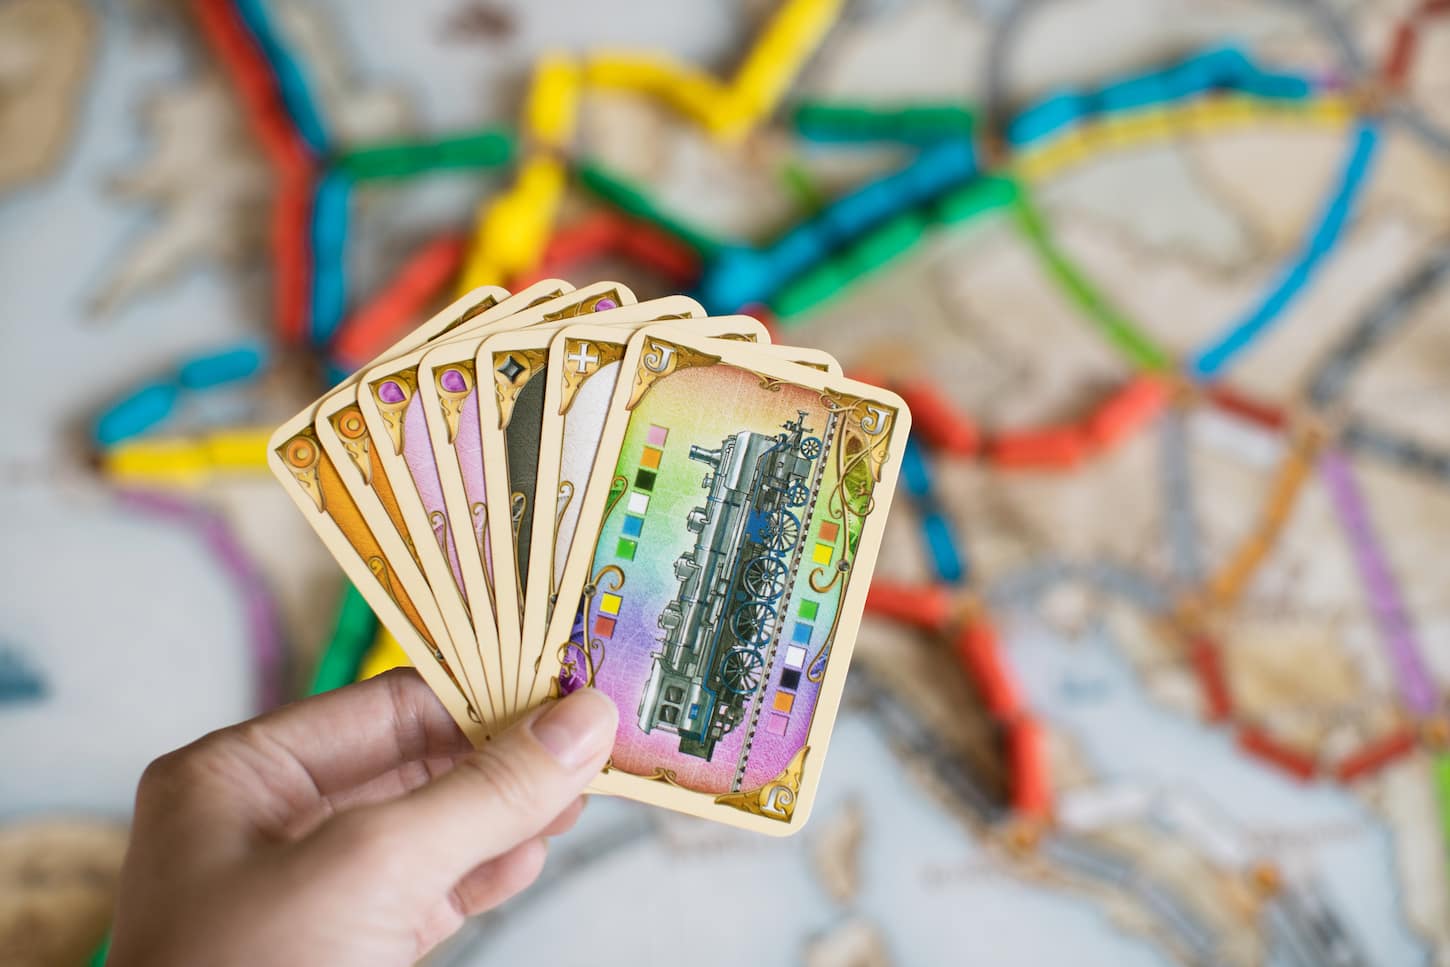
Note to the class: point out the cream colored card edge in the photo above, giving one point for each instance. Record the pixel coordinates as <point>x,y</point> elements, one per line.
<point>457,349</point>
<point>415,578</point>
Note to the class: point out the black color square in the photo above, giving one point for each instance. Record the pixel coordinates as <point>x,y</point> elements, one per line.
<point>790,678</point>
<point>645,480</point>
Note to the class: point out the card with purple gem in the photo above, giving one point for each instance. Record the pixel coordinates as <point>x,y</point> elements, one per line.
<point>720,568</point>
<point>510,426</point>
<point>390,403</point>
<point>369,554</point>
<point>447,393</point>
<point>392,412</point>
<point>390,509</point>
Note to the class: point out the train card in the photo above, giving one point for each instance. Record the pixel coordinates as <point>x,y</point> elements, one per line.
<point>471,466</point>
<point>571,435</point>
<point>383,429</point>
<point>582,369</point>
<point>584,363</point>
<point>510,423</point>
<point>388,502</point>
<point>721,563</point>
<point>311,480</point>
<point>447,391</point>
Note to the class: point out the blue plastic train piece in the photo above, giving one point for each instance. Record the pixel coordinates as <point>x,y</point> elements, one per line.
<point>1211,361</point>
<point>940,168</point>
<point>741,276</point>
<point>1220,67</point>
<point>217,369</point>
<point>150,405</point>
<point>1046,118</point>
<point>941,543</point>
<point>291,79</point>
<point>1144,91</point>
<point>137,413</point>
<point>329,244</point>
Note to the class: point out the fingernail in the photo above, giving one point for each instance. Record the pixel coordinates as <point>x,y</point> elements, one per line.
<point>577,728</point>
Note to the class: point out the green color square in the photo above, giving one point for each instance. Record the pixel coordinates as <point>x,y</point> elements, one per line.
<point>808,609</point>
<point>626,548</point>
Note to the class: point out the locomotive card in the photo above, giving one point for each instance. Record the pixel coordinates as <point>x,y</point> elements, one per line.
<point>721,563</point>
<point>584,364</point>
<point>312,481</point>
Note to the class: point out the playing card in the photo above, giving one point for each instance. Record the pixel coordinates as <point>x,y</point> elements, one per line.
<point>510,421</point>
<point>436,459</point>
<point>583,368</point>
<point>581,384</point>
<point>384,421</point>
<point>720,564</point>
<point>446,389</point>
<point>404,604</point>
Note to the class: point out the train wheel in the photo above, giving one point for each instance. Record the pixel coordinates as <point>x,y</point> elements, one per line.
<point>810,447</point>
<point>753,622</point>
<point>782,530</point>
<point>765,578</point>
<point>797,494</point>
<point>742,670</point>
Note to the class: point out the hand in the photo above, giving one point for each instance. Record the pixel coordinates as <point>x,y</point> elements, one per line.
<point>355,828</point>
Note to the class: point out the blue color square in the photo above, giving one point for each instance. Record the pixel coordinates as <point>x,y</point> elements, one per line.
<point>802,633</point>
<point>632,526</point>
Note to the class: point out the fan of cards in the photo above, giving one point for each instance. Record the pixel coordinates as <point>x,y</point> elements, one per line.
<point>564,488</point>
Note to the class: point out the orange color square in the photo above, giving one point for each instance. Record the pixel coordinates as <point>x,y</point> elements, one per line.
<point>650,458</point>
<point>784,701</point>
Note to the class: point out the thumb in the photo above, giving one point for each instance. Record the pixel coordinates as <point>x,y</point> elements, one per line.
<point>492,800</point>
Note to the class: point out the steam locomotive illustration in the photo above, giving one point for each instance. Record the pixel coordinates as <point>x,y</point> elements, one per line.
<point>716,629</point>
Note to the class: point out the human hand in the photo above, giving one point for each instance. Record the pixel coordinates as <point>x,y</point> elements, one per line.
<point>358,827</point>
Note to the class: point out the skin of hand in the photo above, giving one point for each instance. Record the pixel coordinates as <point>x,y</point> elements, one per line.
<point>358,827</point>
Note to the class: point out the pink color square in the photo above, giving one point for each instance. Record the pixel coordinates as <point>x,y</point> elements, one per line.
<point>656,436</point>
<point>776,724</point>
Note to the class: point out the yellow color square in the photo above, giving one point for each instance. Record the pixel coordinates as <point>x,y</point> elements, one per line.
<point>822,554</point>
<point>609,604</point>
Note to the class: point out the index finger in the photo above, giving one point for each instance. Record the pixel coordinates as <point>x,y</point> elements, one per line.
<point>341,739</point>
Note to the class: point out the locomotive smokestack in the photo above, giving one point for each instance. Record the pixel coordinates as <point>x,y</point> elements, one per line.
<point>712,457</point>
